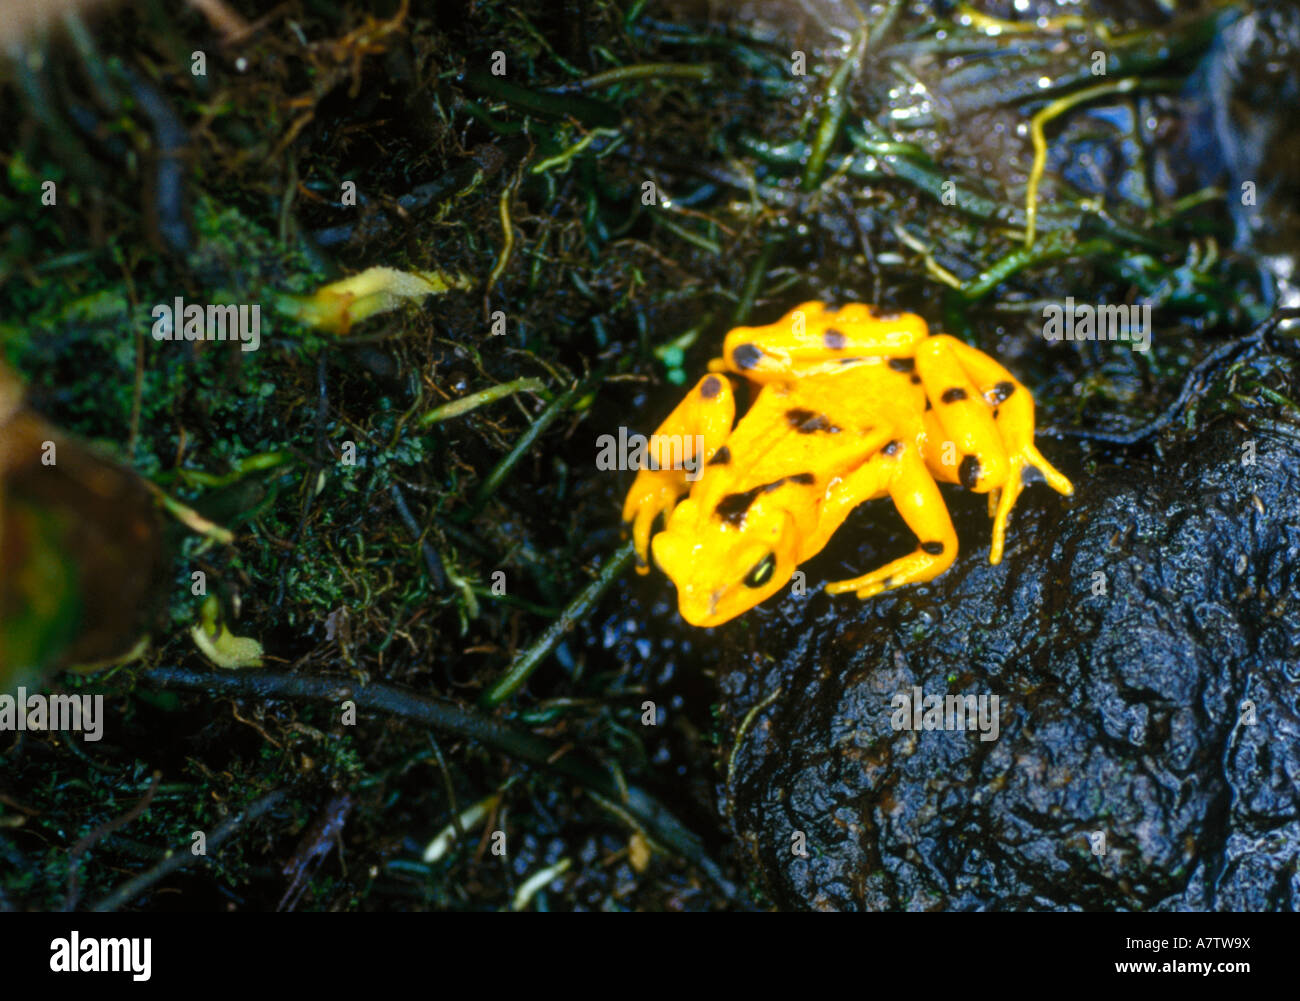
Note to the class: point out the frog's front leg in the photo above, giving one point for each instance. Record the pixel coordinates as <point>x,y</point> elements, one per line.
<point>701,421</point>
<point>989,416</point>
<point>899,470</point>
<point>811,339</point>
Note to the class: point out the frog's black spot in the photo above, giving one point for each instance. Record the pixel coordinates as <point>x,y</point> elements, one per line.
<point>767,488</point>
<point>953,395</point>
<point>969,472</point>
<point>1001,391</point>
<point>928,404</point>
<point>849,361</point>
<point>893,448</point>
<point>709,387</point>
<point>933,548</point>
<point>721,457</point>
<point>733,507</point>
<point>916,381</point>
<point>804,479</point>
<point>902,364</point>
<point>834,339</point>
<point>746,356</point>
<point>806,422</point>
<point>887,581</point>
<point>995,413</point>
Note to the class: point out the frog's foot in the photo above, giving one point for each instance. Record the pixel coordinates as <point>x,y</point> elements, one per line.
<point>1003,499</point>
<point>988,417</point>
<point>687,439</point>
<point>901,470</point>
<point>645,503</point>
<point>914,568</point>
<point>811,339</point>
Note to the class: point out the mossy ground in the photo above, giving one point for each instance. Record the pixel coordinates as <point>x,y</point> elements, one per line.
<point>325,571</point>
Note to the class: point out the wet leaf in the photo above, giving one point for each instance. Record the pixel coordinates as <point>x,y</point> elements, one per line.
<point>339,305</point>
<point>81,550</point>
<point>219,644</point>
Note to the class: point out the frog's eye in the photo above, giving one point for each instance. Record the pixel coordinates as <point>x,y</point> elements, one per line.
<point>762,571</point>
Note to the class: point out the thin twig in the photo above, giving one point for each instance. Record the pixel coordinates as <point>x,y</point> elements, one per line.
<point>455,719</point>
<point>577,610</point>
<point>102,831</point>
<point>137,885</point>
<point>432,559</point>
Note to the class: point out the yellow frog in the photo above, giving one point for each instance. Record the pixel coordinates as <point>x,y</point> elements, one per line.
<point>852,404</point>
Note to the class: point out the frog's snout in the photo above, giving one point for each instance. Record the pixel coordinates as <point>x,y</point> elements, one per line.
<point>699,605</point>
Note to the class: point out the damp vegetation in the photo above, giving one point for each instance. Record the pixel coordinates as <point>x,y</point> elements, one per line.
<point>357,602</point>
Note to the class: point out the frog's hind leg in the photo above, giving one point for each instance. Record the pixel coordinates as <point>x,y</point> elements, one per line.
<point>899,470</point>
<point>976,457</point>
<point>1004,407</point>
<point>691,436</point>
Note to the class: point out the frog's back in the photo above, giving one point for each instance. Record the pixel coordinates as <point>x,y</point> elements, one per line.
<point>875,391</point>
<point>810,421</point>
<point>860,396</point>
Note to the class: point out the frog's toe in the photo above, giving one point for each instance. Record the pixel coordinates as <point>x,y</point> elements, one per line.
<point>1054,477</point>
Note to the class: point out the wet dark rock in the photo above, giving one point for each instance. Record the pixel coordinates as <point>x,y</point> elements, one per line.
<point>1124,715</point>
